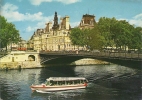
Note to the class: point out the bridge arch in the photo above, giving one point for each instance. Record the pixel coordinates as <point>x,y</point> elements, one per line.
<point>60,60</point>
<point>66,59</point>
<point>31,58</point>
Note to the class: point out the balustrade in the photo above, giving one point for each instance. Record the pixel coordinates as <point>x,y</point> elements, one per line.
<point>112,55</point>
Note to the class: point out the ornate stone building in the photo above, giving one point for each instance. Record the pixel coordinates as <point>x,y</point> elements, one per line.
<point>54,37</point>
<point>87,21</point>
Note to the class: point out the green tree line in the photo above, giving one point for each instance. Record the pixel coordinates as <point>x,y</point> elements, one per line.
<point>108,32</point>
<point>8,33</point>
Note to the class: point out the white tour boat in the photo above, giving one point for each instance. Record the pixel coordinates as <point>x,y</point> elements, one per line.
<point>60,84</point>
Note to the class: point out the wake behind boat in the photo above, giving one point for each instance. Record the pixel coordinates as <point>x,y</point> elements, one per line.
<point>60,84</point>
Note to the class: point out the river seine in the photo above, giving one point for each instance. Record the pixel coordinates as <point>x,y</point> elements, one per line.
<point>106,82</point>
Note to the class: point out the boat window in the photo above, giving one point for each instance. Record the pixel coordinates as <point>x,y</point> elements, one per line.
<point>51,82</point>
<point>63,82</point>
<point>54,83</point>
<point>71,82</point>
<point>68,82</point>
<point>77,82</point>
<point>47,82</point>
<point>60,83</point>
<point>82,81</point>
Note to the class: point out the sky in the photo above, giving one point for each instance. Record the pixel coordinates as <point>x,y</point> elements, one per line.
<point>30,15</point>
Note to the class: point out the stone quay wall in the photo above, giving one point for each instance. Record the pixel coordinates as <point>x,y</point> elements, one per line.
<point>34,64</point>
<point>19,65</point>
<point>20,59</point>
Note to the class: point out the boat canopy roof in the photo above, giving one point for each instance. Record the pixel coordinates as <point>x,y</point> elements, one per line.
<point>65,78</point>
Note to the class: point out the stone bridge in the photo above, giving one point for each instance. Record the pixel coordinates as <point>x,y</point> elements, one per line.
<point>36,59</point>
<point>59,58</point>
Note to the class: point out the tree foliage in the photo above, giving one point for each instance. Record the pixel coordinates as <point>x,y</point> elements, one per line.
<point>77,36</point>
<point>93,38</point>
<point>8,32</point>
<point>90,38</point>
<point>119,33</point>
<point>136,42</point>
<point>108,32</point>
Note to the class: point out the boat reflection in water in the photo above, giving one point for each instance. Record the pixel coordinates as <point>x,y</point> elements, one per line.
<point>60,84</point>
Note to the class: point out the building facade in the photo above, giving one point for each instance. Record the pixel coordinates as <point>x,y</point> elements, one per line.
<point>21,46</point>
<point>87,21</point>
<point>54,37</point>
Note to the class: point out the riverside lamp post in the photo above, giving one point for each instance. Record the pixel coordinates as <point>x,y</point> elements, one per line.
<point>20,43</point>
<point>0,43</point>
<point>33,46</point>
<point>64,41</point>
<point>11,45</point>
<point>28,46</point>
<point>40,39</point>
<point>46,43</point>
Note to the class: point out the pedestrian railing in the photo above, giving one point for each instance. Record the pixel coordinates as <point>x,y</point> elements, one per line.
<point>110,55</point>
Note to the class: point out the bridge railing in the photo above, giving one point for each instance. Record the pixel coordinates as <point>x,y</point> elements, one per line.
<point>120,55</point>
<point>114,55</point>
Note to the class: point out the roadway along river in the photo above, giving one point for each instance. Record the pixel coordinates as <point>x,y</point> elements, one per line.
<point>106,82</point>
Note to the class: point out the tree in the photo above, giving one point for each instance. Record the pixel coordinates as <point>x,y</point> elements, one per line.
<point>136,42</point>
<point>109,32</point>
<point>119,33</point>
<point>8,32</point>
<point>93,38</point>
<point>2,30</point>
<point>106,28</point>
<point>77,37</point>
<point>90,38</point>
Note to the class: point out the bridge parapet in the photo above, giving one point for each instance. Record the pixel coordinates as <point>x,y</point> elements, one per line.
<point>109,55</point>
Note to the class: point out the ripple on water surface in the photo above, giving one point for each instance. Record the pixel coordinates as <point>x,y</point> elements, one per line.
<point>106,82</point>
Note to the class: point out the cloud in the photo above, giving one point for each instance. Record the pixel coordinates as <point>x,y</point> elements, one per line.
<point>29,29</point>
<point>74,24</point>
<point>11,13</point>
<point>34,17</point>
<point>38,2</point>
<point>137,20</point>
<point>35,27</point>
<point>10,9</point>
<point>19,0</point>
<point>68,1</point>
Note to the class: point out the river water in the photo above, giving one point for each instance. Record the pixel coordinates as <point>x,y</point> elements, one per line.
<point>106,82</point>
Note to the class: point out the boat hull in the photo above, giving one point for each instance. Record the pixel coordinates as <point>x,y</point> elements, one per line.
<point>44,88</point>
